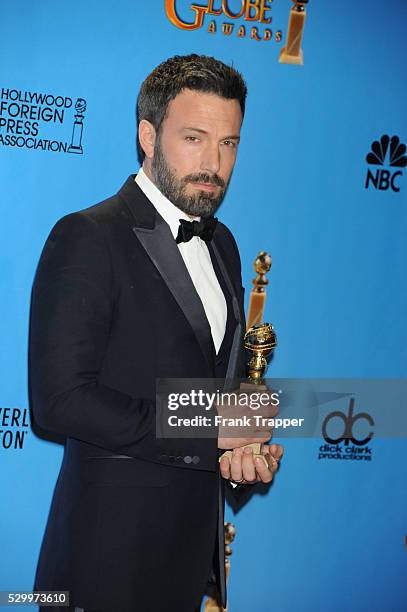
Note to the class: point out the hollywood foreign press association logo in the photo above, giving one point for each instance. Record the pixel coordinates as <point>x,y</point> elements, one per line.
<point>386,152</point>
<point>347,444</point>
<point>41,121</point>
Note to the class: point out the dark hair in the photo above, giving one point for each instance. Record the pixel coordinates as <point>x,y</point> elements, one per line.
<point>196,72</point>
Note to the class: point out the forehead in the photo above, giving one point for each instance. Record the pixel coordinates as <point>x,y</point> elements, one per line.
<point>198,109</point>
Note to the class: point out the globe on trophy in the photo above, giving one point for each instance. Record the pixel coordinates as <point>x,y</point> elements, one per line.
<point>259,341</point>
<point>76,140</point>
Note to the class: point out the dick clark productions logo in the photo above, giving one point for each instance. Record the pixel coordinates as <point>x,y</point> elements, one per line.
<point>384,155</point>
<point>33,120</point>
<point>339,447</point>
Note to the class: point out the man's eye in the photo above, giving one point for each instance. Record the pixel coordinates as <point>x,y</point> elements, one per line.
<point>191,138</point>
<point>229,143</point>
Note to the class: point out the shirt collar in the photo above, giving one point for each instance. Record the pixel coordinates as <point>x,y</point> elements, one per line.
<point>168,211</point>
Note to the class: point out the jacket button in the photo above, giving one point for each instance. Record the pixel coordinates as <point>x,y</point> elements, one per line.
<point>179,458</point>
<point>163,457</point>
<point>171,458</point>
<point>187,459</point>
<point>195,459</point>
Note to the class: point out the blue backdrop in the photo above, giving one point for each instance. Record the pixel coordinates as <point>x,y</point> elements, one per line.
<point>328,534</point>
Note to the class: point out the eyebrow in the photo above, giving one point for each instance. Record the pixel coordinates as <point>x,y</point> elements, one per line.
<point>200,131</point>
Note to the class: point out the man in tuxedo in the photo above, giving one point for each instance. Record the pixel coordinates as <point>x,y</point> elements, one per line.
<point>144,285</point>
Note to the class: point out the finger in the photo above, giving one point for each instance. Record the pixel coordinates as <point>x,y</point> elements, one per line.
<point>276,450</point>
<point>236,464</point>
<point>248,469</point>
<point>272,463</point>
<point>274,455</point>
<point>267,452</point>
<point>264,473</point>
<point>225,467</point>
<point>280,451</point>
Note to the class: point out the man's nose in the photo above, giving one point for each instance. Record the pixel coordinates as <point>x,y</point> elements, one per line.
<point>211,159</point>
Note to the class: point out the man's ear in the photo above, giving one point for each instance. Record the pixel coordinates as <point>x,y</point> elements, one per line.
<point>147,136</point>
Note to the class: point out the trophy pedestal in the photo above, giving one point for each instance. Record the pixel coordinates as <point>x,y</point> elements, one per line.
<point>286,58</point>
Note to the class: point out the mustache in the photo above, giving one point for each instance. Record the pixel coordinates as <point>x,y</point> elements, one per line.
<point>203,177</point>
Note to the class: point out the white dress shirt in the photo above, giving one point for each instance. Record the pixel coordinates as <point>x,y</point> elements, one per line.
<point>196,258</point>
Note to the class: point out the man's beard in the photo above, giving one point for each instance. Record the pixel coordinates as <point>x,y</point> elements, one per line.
<point>201,204</point>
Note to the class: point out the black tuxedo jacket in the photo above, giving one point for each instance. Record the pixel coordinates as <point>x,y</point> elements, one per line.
<point>136,522</point>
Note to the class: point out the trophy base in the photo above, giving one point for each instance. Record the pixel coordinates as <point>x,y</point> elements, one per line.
<point>286,58</point>
<point>78,150</point>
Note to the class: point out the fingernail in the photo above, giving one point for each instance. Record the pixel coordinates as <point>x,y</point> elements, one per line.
<point>248,450</point>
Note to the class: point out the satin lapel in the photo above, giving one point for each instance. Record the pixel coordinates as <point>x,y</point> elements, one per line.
<point>163,252</point>
<point>237,339</point>
<point>155,236</point>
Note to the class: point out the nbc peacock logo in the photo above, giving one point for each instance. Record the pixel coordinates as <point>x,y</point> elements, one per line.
<point>386,152</point>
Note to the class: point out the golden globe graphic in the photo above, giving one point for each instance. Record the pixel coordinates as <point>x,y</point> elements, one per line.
<point>76,141</point>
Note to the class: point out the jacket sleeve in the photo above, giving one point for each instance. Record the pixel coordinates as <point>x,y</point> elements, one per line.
<point>71,312</point>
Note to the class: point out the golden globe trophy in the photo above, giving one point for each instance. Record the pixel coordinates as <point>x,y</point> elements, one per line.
<point>260,338</point>
<point>259,341</point>
<point>292,52</point>
<point>76,140</point>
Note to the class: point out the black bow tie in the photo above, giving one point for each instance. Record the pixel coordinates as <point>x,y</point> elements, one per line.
<point>188,229</point>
